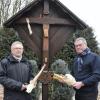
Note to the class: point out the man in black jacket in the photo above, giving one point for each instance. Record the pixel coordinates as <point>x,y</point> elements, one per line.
<point>86,70</point>
<point>15,74</point>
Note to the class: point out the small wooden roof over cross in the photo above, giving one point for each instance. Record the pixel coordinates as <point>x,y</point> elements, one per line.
<point>30,21</point>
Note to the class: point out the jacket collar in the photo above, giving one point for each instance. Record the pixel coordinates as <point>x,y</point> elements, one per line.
<point>12,59</point>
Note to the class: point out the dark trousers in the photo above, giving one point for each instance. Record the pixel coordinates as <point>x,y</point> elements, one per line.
<point>17,96</point>
<point>92,96</point>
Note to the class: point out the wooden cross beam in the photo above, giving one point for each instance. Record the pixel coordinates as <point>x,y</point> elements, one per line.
<point>45,59</point>
<point>45,43</point>
<point>46,76</point>
<point>46,20</point>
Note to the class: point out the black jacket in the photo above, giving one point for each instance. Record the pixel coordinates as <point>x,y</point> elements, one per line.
<point>12,75</point>
<point>90,73</point>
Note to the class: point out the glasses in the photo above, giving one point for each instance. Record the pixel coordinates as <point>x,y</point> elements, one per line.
<point>78,45</point>
<point>18,48</point>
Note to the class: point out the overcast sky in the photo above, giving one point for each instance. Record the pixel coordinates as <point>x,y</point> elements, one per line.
<point>88,11</point>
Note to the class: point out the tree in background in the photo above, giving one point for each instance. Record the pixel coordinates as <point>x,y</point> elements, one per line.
<point>6,38</point>
<point>10,7</point>
<point>59,90</point>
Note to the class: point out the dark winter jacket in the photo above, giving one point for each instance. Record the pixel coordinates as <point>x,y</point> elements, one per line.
<point>12,75</point>
<point>90,73</point>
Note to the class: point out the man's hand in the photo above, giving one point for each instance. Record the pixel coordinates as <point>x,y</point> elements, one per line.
<point>24,87</point>
<point>31,86</point>
<point>78,85</point>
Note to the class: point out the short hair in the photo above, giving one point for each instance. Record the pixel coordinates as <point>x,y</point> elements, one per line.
<point>16,42</point>
<point>82,39</point>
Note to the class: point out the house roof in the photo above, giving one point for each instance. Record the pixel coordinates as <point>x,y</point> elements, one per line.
<point>9,22</point>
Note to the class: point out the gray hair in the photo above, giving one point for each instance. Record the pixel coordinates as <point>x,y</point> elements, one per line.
<point>82,39</point>
<point>16,42</point>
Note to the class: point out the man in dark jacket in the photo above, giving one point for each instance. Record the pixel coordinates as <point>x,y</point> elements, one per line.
<point>86,70</point>
<point>15,74</point>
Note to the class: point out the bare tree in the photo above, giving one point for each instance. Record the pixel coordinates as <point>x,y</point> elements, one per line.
<point>10,7</point>
<point>4,10</point>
